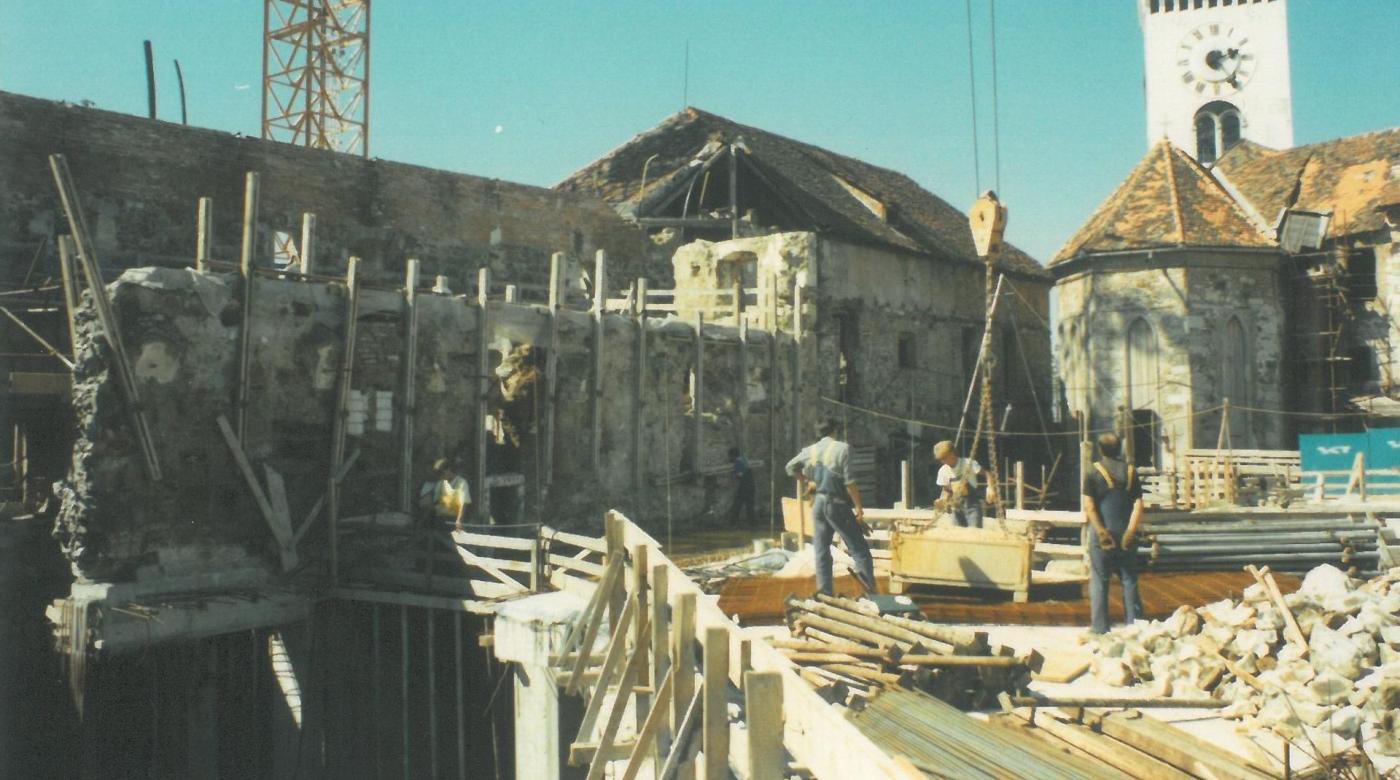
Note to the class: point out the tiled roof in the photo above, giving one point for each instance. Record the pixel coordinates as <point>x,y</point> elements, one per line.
<point>826,192</point>
<point>1168,200</point>
<point>1355,178</point>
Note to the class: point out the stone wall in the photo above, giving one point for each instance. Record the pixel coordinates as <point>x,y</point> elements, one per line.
<point>140,181</point>
<point>181,328</point>
<point>1187,298</point>
<point>860,303</point>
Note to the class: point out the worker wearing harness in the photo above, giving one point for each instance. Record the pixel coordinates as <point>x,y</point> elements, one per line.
<point>1113,507</point>
<point>836,509</point>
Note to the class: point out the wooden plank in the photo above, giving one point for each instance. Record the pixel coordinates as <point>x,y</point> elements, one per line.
<point>763,712</point>
<point>247,258</point>
<point>715,725</point>
<point>285,548</point>
<point>651,727</point>
<point>574,564</point>
<point>682,654</point>
<point>345,377</point>
<point>277,497</point>
<point>595,618</point>
<point>490,540</point>
<point>408,386</point>
<point>612,663</point>
<point>87,260</point>
<point>635,668</point>
<point>641,639</point>
<point>321,501</point>
<point>483,389</point>
<point>797,326</point>
<point>660,655</point>
<point>1175,747</point>
<point>486,565</point>
<point>592,611</point>
<point>596,544</point>
<point>43,342</point>
<point>681,752</point>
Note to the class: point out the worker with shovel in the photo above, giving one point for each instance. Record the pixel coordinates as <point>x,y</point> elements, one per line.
<point>826,468</point>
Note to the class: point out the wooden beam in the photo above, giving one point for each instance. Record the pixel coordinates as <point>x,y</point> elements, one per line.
<point>590,628</point>
<point>408,384</point>
<point>247,259</point>
<point>741,390</point>
<point>612,664</point>
<point>68,269</point>
<point>698,394</point>
<point>483,388</point>
<point>763,712</point>
<point>87,260</point>
<point>551,368</point>
<point>660,655</point>
<point>682,655</point>
<point>306,255</point>
<point>715,730</point>
<point>639,388</point>
<point>42,342</point>
<point>681,752</point>
<point>641,639</point>
<point>648,734</point>
<point>344,380</point>
<point>282,533</point>
<point>635,668</point>
<point>797,367</point>
<point>203,234</point>
<point>600,297</point>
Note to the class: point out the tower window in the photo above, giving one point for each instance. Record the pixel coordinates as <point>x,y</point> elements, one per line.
<point>1218,127</point>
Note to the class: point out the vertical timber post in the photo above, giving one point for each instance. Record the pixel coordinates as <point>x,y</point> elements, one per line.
<point>763,711</point>
<point>698,396</point>
<point>551,381</point>
<point>797,367</point>
<point>69,273</point>
<point>715,723</point>
<point>338,419</point>
<point>639,388</point>
<point>408,392</point>
<point>203,233</point>
<point>247,259</point>
<point>741,391</point>
<point>641,638</point>
<point>682,656</point>
<point>306,258</point>
<point>660,651</point>
<point>483,388</point>
<point>600,299</point>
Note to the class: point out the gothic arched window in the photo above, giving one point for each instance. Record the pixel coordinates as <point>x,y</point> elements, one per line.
<point>1218,127</point>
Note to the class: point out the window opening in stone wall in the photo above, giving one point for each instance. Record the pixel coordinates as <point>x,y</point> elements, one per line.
<point>1361,275</point>
<point>1141,377</point>
<point>908,351</point>
<point>1234,379</point>
<point>1218,127</point>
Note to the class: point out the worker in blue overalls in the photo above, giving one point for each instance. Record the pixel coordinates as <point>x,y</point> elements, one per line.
<point>1113,508</point>
<point>826,468</point>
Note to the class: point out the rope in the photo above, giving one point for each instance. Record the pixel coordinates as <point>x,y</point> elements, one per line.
<point>972,87</point>
<point>996,122</point>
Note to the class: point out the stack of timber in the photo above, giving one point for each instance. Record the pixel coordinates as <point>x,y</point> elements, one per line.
<point>849,652</point>
<point>1284,541</point>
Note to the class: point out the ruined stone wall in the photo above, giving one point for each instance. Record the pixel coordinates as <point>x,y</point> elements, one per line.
<point>1186,299</point>
<point>140,180</point>
<point>860,303</point>
<point>181,328</point>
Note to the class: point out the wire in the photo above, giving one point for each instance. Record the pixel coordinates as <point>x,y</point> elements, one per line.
<point>996,122</point>
<point>972,87</point>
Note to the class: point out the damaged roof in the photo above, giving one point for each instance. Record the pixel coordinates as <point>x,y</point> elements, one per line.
<point>1168,200</point>
<point>825,192</point>
<point>1355,178</point>
<point>1171,200</point>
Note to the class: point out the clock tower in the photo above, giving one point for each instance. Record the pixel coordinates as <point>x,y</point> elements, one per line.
<point>1216,71</point>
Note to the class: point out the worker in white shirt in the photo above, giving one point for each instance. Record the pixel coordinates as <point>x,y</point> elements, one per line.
<point>958,479</point>
<point>446,496</point>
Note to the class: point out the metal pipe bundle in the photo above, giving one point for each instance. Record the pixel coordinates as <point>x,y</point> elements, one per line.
<point>1286,543</point>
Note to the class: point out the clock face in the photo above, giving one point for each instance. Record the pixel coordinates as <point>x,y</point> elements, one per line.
<point>1214,60</point>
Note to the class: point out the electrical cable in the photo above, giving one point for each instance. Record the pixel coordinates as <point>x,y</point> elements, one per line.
<point>972,88</point>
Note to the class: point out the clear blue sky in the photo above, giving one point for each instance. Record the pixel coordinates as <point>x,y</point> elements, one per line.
<point>566,82</point>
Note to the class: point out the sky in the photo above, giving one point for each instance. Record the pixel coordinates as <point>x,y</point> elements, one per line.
<point>530,91</point>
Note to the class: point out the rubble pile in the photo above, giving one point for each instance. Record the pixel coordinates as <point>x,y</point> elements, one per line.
<point>1332,683</point>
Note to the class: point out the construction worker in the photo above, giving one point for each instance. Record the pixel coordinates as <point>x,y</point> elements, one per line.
<point>446,496</point>
<point>741,510</point>
<point>826,468</point>
<point>1113,507</point>
<point>958,479</point>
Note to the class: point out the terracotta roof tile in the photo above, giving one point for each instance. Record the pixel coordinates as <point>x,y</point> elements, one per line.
<point>835,195</point>
<point>1167,200</point>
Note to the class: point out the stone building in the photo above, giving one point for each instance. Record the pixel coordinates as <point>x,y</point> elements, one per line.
<point>892,287</point>
<point>1266,279</point>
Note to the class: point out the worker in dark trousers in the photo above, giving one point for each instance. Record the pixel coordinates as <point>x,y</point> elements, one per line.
<point>741,510</point>
<point>826,468</point>
<point>1113,509</point>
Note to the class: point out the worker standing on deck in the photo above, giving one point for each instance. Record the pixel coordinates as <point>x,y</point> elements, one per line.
<point>826,468</point>
<point>958,479</point>
<point>446,496</point>
<point>1113,507</point>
